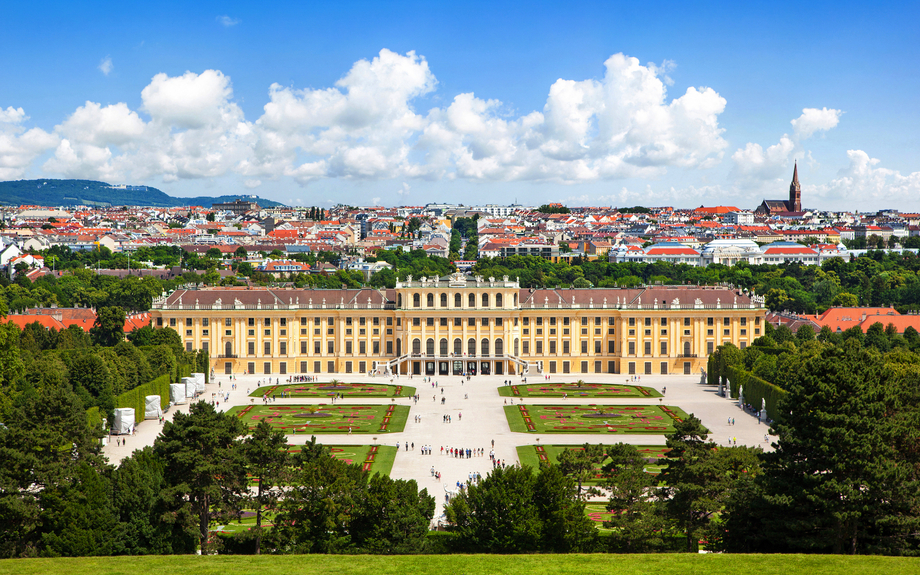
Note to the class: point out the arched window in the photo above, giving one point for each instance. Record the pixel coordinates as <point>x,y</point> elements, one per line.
<point>458,346</point>
<point>515,300</point>
<point>485,300</point>
<point>472,300</point>
<point>485,346</point>
<point>516,342</point>
<point>687,349</point>
<point>458,301</point>
<point>471,347</point>
<point>398,347</point>
<point>443,300</point>
<point>498,300</point>
<point>443,346</point>
<point>429,347</point>
<point>499,347</point>
<point>431,300</point>
<point>399,300</point>
<point>416,346</point>
<point>228,349</point>
<point>416,300</point>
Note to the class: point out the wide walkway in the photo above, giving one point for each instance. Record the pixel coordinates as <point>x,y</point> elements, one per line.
<point>477,419</point>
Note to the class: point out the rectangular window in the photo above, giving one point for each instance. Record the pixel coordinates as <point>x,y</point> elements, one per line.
<point>710,321</point>
<point>632,322</point>
<point>726,331</point>
<point>429,322</point>
<point>188,322</point>
<point>330,321</point>
<point>648,368</point>
<point>648,321</point>
<point>362,320</point>
<point>664,348</point>
<point>744,321</point>
<point>565,321</point>
<point>552,347</point>
<point>268,322</point>
<point>526,321</point>
<point>498,322</point>
<point>526,347</point>
<point>188,333</point>
<point>252,322</point>
<point>389,348</point>
<point>565,347</point>
<point>743,344</point>
<point>252,348</point>
<point>611,347</point>
<point>282,367</point>
<point>565,367</point>
<point>552,367</point>
<point>159,322</point>
<point>390,321</point>
<point>330,347</point>
<point>584,321</point>
<point>330,366</point>
<point>632,348</point>
<point>443,322</point>
<point>709,347</point>
<point>648,348</point>
<point>303,348</point>
<point>416,321</point>
<point>539,347</point>
<point>611,367</point>
<point>303,321</point>
<point>584,347</point>
<point>303,367</point>
<point>485,322</point>
<point>552,321</point>
<point>268,348</point>
<point>172,322</point>
<point>539,321</point>
<point>686,322</point>
<point>251,367</point>
<point>686,368</point>
<point>709,332</point>
<point>347,367</point>
<point>664,322</point>
<point>204,346</point>
<point>584,367</point>
<point>316,368</point>
<point>316,348</point>
<point>362,347</point>
<point>204,322</point>
<point>632,368</point>
<point>664,368</point>
<point>348,347</point>
<point>188,346</point>
<point>283,322</point>
<point>228,332</point>
<point>317,321</point>
<point>471,322</point>
<point>362,367</point>
<point>376,348</point>
<point>267,367</point>
<point>268,333</point>
<point>726,321</point>
<point>458,322</point>
<point>282,347</point>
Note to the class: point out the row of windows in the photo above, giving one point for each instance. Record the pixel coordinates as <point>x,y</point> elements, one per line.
<point>458,300</point>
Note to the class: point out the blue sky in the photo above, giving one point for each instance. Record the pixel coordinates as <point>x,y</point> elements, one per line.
<point>588,103</point>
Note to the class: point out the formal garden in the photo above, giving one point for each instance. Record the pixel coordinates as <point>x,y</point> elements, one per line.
<point>309,419</point>
<point>333,389</point>
<point>638,419</point>
<point>578,389</point>
<point>535,455</point>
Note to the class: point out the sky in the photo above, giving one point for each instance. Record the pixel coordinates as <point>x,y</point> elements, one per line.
<point>406,103</point>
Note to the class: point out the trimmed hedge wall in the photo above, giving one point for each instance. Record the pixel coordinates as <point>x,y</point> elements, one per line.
<point>137,396</point>
<point>755,389</point>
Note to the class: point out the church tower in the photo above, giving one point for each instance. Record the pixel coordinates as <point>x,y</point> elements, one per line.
<point>795,191</point>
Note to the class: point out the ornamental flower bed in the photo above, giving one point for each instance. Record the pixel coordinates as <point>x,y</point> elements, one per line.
<point>651,419</point>
<point>324,389</point>
<point>654,455</point>
<point>578,390</point>
<point>323,418</point>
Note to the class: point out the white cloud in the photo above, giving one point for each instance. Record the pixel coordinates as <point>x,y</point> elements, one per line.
<point>20,147</point>
<point>227,21</point>
<point>814,120</point>
<point>106,66</point>
<point>756,168</point>
<point>367,127</point>
<point>188,101</point>
<point>253,183</point>
<point>863,184</point>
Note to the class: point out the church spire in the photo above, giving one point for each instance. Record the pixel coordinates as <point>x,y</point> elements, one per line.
<point>795,174</point>
<point>795,192</point>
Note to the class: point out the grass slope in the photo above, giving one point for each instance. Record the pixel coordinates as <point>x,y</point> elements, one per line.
<point>574,564</point>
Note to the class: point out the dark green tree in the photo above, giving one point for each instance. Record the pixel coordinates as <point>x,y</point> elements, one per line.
<point>267,460</point>
<point>582,464</point>
<point>109,328</point>
<point>392,517</point>
<point>637,525</point>
<point>205,472</point>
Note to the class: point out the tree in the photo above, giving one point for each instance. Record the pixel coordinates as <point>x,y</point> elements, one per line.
<point>392,517</point>
<point>581,464</point>
<point>837,482</point>
<point>214,254</point>
<point>844,299</point>
<point>109,327</point>
<point>693,482</point>
<point>266,457</point>
<point>205,472</point>
<point>637,526</point>
<point>805,333</point>
<point>877,338</point>
<point>241,253</point>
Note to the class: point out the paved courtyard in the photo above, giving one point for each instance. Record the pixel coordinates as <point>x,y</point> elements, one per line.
<point>477,419</point>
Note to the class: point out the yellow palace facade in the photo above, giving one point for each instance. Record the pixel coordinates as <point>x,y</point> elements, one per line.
<point>461,325</point>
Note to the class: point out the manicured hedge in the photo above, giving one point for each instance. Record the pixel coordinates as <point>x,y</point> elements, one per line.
<point>755,389</point>
<point>136,397</point>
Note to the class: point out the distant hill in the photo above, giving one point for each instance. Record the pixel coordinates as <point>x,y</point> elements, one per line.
<point>101,194</point>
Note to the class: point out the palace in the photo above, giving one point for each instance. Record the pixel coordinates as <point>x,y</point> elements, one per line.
<point>458,324</point>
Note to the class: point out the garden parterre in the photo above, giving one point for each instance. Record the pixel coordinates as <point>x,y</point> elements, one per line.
<point>577,390</point>
<point>309,419</point>
<point>650,419</point>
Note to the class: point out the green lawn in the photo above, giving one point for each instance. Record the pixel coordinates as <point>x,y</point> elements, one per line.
<point>574,564</point>
<point>533,454</point>
<point>572,418</point>
<point>381,462</point>
<point>326,389</point>
<point>577,391</point>
<point>310,419</point>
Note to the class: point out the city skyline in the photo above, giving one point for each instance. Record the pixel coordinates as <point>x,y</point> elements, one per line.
<point>589,104</point>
